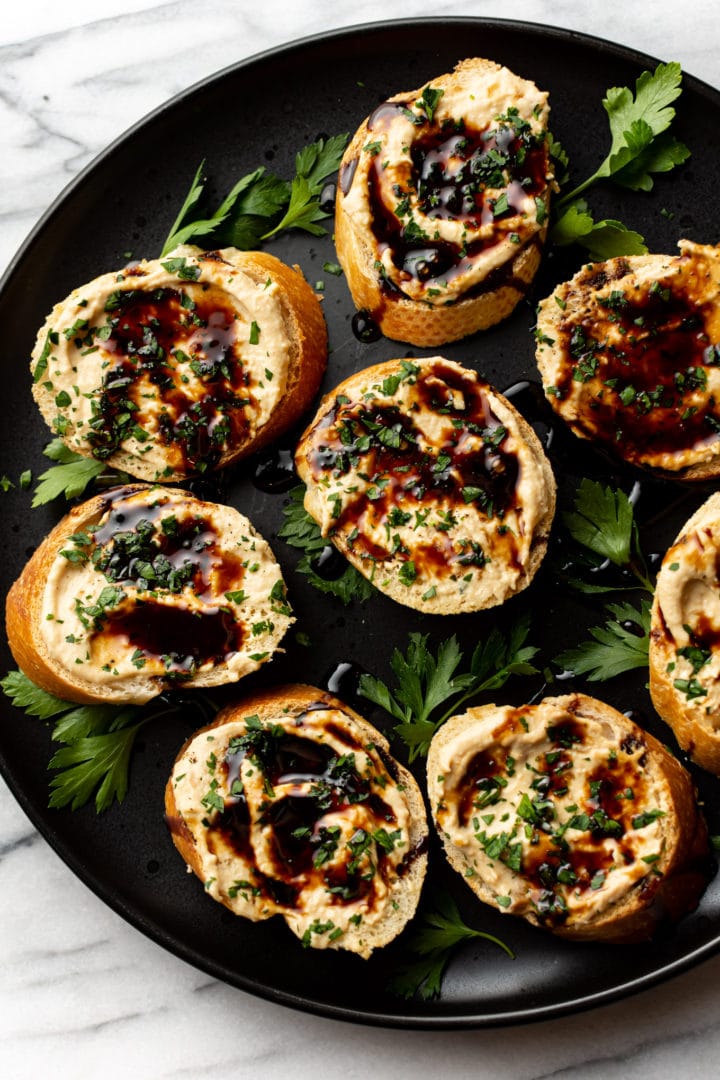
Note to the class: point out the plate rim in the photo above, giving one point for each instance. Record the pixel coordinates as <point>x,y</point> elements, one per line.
<point>154,930</point>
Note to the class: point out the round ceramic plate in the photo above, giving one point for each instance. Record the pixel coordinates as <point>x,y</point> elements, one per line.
<point>261,112</point>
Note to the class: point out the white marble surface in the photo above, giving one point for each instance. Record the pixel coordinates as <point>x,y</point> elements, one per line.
<point>82,994</point>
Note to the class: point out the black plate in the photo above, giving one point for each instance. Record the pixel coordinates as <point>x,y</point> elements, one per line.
<point>261,112</point>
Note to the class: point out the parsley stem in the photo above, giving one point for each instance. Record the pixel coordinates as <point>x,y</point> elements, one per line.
<point>565,199</point>
<point>454,707</point>
<point>472,692</point>
<point>640,572</point>
<point>496,941</point>
<point>601,174</point>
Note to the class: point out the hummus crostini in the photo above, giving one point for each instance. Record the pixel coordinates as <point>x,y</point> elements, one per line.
<point>430,483</point>
<point>443,203</point>
<point>290,804</point>
<point>568,814</point>
<point>144,588</point>
<point>182,364</point>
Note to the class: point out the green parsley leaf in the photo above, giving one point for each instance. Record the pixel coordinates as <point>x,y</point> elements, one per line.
<point>635,124</point>
<point>175,236</point>
<point>98,742</point>
<point>99,762</point>
<point>300,530</point>
<point>69,477</point>
<point>260,204</point>
<point>429,101</point>
<point>603,239</point>
<point>425,681</point>
<point>320,160</point>
<point>24,694</point>
<point>496,659</point>
<point>179,266</point>
<point>639,821</point>
<point>303,211</point>
<point>240,219</point>
<point>559,158</point>
<point>603,522</point>
<point>613,648</point>
<point>314,164</point>
<point>439,931</point>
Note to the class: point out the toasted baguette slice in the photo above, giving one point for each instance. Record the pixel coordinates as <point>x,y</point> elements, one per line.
<point>629,355</point>
<point>430,483</point>
<point>443,202</point>
<point>217,352</point>
<point>570,815</point>
<point>309,817</point>
<point>685,637</point>
<point>143,588</point>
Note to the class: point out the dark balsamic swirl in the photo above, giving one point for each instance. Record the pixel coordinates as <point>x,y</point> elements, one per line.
<point>289,836</point>
<point>641,370</point>
<point>483,179</point>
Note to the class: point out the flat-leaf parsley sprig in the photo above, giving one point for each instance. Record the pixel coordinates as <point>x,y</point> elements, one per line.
<point>260,204</point>
<point>96,743</point>
<point>435,937</point>
<point>71,474</point>
<point>425,682</point>
<point>641,146</point>
<point>603,523</point>
<point>619,645</point>
<point>300,530</point>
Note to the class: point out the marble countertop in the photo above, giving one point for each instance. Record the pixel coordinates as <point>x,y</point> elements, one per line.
<point>82,993</point>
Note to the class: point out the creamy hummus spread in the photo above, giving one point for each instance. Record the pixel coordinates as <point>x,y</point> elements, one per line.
<point>297,815</point>
<point>686,618</point>
<point>165,367</point>
<point>629,352</point>
<point>451,182</point>
<point>551,808</point>
<point>419,473</point>
<point>160,588</point>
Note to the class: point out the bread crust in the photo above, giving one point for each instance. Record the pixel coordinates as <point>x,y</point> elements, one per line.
<point>52,666</point>
<point>627,354</point>
<point>663,863</point>
<point>476,92</point>
<point>299,358</point>
<point>684,653</point>
<point>514,544</point>
<point>286,706</point>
